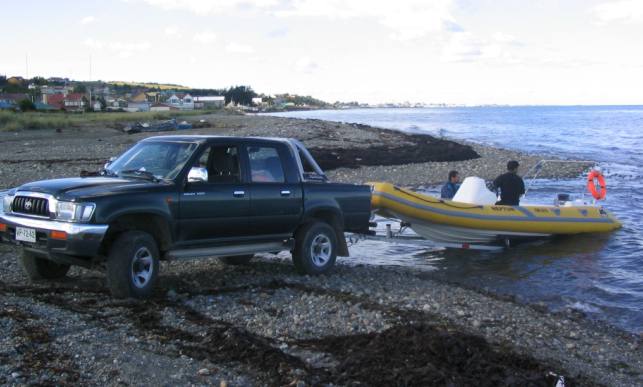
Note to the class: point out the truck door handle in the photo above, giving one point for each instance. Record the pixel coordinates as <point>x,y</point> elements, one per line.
<point>285,192</point>
<point>239,194</point>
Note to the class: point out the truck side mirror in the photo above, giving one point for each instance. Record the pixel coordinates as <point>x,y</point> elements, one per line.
<point>198,174</point>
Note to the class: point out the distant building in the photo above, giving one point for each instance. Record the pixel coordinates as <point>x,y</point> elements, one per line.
<point>11,100</point>
<point>153,96</point>
<point>162,107</point>
<point>7,106</point>
<point>70,102</point>
<point>138,106</point>
<point>257,101</point>
<point>140,97</point>
<point>57,80</point>
<point>116,104</point>
<point>209,102</point>
<point>43,106</point>
<point>48,90</point>
<point>181,101</point>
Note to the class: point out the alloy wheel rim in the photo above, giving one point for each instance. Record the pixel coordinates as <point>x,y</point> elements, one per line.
<point>142,267</point>
<point>321,250</point>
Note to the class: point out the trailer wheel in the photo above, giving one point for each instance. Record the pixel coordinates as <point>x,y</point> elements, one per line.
<point>40,268</point>
<point>237,260</point>
<point>133,265</point>
<point>315,248</point>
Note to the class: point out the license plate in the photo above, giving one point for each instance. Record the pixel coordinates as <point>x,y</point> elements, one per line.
<point>25,234</point>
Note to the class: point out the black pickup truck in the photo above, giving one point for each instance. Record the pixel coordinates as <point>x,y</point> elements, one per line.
<point>177,197</point>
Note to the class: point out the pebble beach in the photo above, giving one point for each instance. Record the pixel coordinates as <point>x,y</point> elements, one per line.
<point>262,324</point>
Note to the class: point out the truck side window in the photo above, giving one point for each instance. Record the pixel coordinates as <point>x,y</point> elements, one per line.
<point>265,165</point>
<point>222,163</point>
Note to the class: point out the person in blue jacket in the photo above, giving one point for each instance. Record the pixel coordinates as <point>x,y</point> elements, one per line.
<point>451,186</point>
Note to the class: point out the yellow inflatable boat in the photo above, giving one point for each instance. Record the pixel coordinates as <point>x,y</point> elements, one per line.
<point>461,224</point>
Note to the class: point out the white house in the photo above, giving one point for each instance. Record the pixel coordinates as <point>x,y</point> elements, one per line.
<point>162,107</point>
<point>181,101</point>
<point>209,102</point>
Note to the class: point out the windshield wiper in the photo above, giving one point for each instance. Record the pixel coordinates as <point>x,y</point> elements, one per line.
<point>138,173</point>
<point>101,172</point>
<point>107,172</point>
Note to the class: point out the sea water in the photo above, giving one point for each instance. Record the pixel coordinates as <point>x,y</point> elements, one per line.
<point>598,274</point>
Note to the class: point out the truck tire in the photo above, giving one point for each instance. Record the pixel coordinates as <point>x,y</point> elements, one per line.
<point>40,268</point>
<point>237,260</point>
<point>133,265</point>
<point>315,248</point>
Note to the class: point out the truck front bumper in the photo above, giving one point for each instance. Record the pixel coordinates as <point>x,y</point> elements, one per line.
<point>54,239</point>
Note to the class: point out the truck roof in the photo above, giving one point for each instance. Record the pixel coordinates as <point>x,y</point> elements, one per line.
<point>299,150</point>
<point>197,138</point>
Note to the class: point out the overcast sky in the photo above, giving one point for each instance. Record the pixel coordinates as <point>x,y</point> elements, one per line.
<point>454,51</point>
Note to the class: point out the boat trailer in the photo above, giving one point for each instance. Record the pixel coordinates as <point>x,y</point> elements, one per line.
<point>403,235</point>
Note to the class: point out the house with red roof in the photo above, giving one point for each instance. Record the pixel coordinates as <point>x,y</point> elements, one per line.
<point>69,102</point>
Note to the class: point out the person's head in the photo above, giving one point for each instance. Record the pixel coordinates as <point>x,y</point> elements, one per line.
<point>454,177</point>
<point>512,166</point>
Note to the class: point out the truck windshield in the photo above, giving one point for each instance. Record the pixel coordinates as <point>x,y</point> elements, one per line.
<point>163,160</point>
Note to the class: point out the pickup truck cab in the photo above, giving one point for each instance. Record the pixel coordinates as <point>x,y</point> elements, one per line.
<point>178,197</point>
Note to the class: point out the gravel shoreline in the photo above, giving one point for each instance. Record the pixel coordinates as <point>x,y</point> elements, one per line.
<point>43,154</point>
<point>263,324</point>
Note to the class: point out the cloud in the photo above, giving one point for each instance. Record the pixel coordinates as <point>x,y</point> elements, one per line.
<point>501,49</point>
<point>466,47</point>
<point>172,31</point>
<point>407,19</point>
<point>462,47</point>
<point>306,65</point>
<point>93,43</point>
<point>129,46</point>
<point>622,11</point>
<point>87,20</point>
<point>211,7</point>
<point>205,37</point>
<point>278,32</point>
<point>502,38</point>
<point>123,49</point>
<point>239,48</point>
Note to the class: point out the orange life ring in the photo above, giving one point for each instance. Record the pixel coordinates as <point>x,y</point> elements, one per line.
<point>591,185</point>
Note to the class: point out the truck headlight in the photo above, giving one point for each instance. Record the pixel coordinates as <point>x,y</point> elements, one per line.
<point>6,202</point>
<point>74,212</point>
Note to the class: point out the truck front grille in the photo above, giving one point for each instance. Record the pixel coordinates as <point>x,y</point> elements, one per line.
<point>30,206</point>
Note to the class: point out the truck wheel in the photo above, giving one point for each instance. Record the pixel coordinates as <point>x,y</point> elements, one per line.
<point>315,249</point>
<point>40,268</point>
<point>237,260</point>
<point>132,265</point>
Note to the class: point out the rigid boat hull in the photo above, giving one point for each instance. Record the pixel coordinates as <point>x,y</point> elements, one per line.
<point>454,222</point>
<point>460,235</point>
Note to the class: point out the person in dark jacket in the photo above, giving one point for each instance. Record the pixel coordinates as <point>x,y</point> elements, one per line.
<point>511,186</point>
<point>451,186</point>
